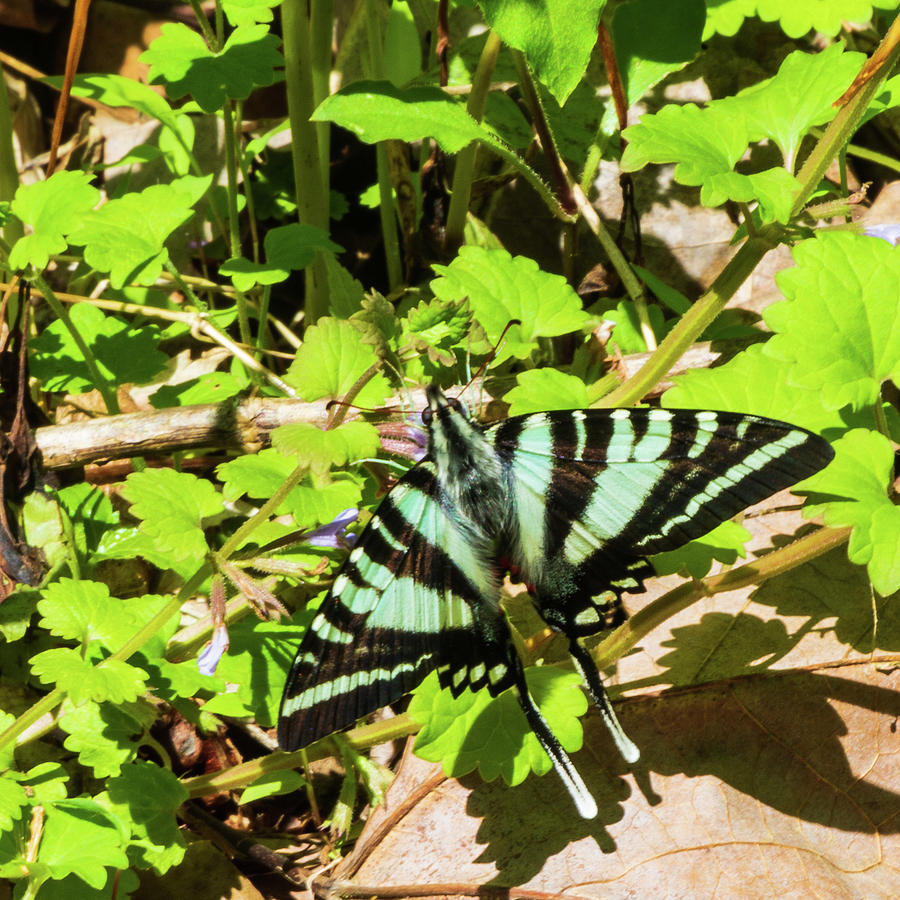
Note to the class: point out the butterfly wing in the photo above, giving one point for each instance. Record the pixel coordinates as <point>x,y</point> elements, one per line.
<point>414,595</point>
<point>596,491</point>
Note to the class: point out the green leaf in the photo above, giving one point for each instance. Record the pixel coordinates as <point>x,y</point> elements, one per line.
<point>260,475</point>
<point>16,612</point>
<point>853,490</point>
<point>628,335</point>
<point>538,390</point>
<point>248,12</point>
<point>84,611</point>
<point>53,209</point>
<point>13,800</point>
<point>117,90</point>
<point>321,450</point>
<point>501,288</point>
<point>345,293</point>
<point>148,796</point>
<point>125,236</point>
<point>723,544</point>
<point>124,353</point>
<point>436,327</point>
<point>377,111</point>
<point>798,97</point>
<point>492,735</point>
<point>180,58</point>
<point>706,143</point>
<point>752,382</point>
<point>114,680</point>
<point>556,36</point>
<point>81,838</point>
<point>172,506</point>
<point>645,55</point>
<point>330,360</point>
<point>257,661</point>
<point>213,387</point>
<point>838,328</point>
<point>102,734</point>
<point>825,16</point>
<point>272,784</point>
<point>289,248</point>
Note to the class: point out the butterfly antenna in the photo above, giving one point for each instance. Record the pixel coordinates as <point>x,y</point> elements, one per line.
<point>591,678</point>
<point>492,355</point>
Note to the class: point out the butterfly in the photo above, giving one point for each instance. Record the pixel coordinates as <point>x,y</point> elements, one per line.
<point>571,503</point>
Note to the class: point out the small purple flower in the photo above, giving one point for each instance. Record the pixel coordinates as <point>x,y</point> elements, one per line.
<point>332,534</point>
<point>212,652</point>
<point>887,232</point>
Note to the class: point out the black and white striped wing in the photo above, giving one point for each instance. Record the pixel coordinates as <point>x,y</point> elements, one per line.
<point>596,491</point>
<point>401,606</point>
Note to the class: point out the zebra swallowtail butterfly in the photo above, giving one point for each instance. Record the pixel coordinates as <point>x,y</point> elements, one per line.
<point>573,502</point>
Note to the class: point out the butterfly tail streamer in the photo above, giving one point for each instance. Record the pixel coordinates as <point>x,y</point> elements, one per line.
<point>594,683</point>
<point>565,768</point>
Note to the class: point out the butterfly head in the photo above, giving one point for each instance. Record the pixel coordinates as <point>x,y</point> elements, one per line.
<point>466,462</point>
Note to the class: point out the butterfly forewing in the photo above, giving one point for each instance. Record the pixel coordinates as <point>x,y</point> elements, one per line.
<point>407,601</point>
<point>613,486</point>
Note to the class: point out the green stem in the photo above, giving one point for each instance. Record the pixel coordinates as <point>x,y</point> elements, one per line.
<point>104,386</point>
<point>386,207</point>
<point>694,321</point>
<point>321,25</point>
<point>231,193</point>
<point>627,635</point>
<point>461,190</point>
<point>312,199</point>
<point>9,174</point>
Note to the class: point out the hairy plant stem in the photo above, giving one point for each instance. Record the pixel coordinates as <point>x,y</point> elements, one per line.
<point>104,386</point>
<point>461,189</point>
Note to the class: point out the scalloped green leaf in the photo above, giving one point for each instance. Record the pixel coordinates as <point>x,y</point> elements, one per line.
<point>538,390</point>
<point>125,353</point>
<point>249,12</point>
<point>501,288</point>
<point>377,111</point>
<point>556,36</point>
<point>117,90</point>
<point>645,55</point>
<point>329,362</point>
<point>125,237</point>
<point>51,209</point>
<point>853,490</point>
<point>180,58</point>
<point>752,382</point>
<point>491,734</point>
<point>321,450</point>
<point>84,611</point>
<point>148,796</point>
<point>172,506</point>
<point>289,248</point>
<point>838,327</point>
<point>81,838</point>
<point>723,544</point>
<point>13,800</point>
<point>114,680</point>
<point>798,97</point>
<point>257,661</point>
<point>102,734</point>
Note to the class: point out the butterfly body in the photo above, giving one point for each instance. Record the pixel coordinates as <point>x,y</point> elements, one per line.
<point>573,502</point>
